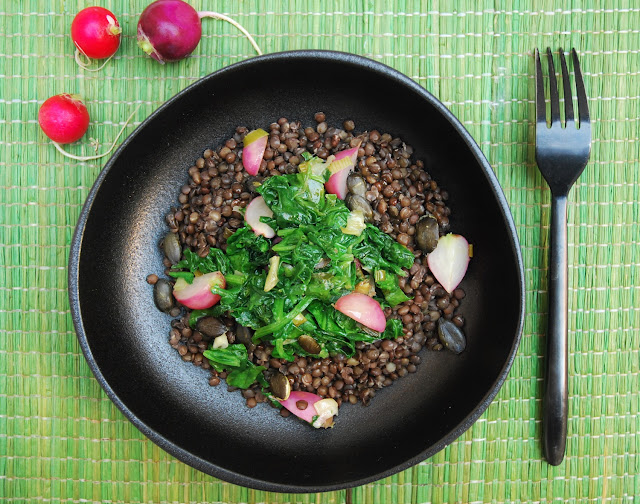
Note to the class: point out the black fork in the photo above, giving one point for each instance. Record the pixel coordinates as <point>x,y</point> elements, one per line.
<point>561,154</point>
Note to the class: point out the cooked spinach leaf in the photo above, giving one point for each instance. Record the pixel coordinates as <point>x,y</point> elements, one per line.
<point>235,361</point>
<point>388,283</point>
<point>317,266</point>
<point>216,260</point>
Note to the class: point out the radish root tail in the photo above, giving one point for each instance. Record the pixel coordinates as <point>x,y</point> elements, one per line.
<point>97,156</point>
<point>88,61</point>
<point>222,17</point>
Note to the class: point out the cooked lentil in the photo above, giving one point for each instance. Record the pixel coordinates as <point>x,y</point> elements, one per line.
<point>399,195</point>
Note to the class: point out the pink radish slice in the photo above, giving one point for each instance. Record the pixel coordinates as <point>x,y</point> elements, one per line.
<point>363,309</point>
<point>306,414</point>
<point>340,168</point>
<point>337,183</point>
<point>255,144</point>
<point>350,153</point>
<point>198,295</point>
<point>449,261</point>
<point>255,209</point>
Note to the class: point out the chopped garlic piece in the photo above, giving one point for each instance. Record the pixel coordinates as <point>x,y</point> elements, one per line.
<point>355,224</point>
<point>326,409</point>
<point>299,319</point>
<point>221,341</point>
<point>272,276</point>
<point>366,287</point>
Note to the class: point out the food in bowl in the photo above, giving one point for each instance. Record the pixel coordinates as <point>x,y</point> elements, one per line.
<point>309,266</point>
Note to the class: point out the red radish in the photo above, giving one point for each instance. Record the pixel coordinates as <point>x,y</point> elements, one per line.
<point>340,168</point>
<point>363,309</point>
<point>314,406</point>
<point>255,209</point>
<point>96,33</point>
<point>198,295</point>
<point>255,144</point>
<point>64,118</point>
<point>169,30</point>
<point>449,261</point>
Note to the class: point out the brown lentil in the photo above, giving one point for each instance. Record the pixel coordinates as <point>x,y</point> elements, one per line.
<point>399,191</point>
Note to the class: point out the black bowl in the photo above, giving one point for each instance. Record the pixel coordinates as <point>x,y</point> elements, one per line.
<point>124,337</point>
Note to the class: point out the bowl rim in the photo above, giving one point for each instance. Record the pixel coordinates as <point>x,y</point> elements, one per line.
<point>216,470</point>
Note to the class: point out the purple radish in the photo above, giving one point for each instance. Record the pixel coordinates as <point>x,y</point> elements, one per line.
<point>169,30</point>
<point>449,261</point>
<point>363,309</point>
<point>340,168</point>
<point>255,209</point>
<point>313,406</point>
<point>255,144</point>
<point>197,295</point>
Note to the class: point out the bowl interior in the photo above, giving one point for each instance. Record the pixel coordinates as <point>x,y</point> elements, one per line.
<point>125,338</point>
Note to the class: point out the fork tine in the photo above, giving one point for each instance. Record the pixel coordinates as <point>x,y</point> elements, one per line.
<point>583,107</point>
<point>568,99</point>
<point>553,89</point>
<point>541,108</point>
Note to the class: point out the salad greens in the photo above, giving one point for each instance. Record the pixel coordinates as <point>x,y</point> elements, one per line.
<point>318,262</point>
<point>234,359</point>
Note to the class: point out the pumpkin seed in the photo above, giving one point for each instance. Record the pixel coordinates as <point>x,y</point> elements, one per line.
<point>309,345</point>
<point>280,386</point>
<point>427,233</point>
<point>451,336</point>
<point>163,295</point>
<point>211,327</point>
<point>171,247</point>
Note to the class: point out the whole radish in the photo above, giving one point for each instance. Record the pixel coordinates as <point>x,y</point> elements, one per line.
<point>169,30</point>
<point>64,118</point>
<point>95,31</point>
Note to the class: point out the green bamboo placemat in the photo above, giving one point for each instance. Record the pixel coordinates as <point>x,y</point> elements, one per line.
<point>62,440</point>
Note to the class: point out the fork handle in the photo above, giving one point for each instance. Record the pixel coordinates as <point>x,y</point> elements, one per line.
<point>554,422</point>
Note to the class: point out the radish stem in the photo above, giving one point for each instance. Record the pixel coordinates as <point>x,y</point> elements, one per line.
<point>97,156</point>
<point>222,17</point>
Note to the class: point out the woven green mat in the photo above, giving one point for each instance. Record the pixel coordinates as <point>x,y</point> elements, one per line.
<point>62,440</point>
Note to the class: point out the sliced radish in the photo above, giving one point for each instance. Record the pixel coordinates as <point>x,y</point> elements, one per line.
<point>255,209</point>
<point>315,406</point>
<point>306,414</point>
<point>198,295</point>
<point>342,165</point>
<point>363,309</point>
<point>337,183</point>
<point>449,261</point>
<point>350,153</point>
<point>255,144</point>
